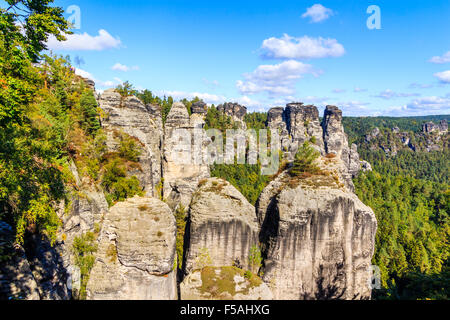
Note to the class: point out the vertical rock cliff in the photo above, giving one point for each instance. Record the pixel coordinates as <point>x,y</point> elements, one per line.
<point>136,258</point>
<point>222,227</point>
<point>183,165</point>
<point>318,237</point>
<point>130,116</point>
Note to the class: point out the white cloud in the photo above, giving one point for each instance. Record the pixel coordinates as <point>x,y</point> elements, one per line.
<point>85,42</point>
<point>84,74</point>
<point>443,76</point>
<point>288,47</point>
<point>358,89</point>
<point>120,67</point>
<point>277,79</point>
<point>356,108</point>
<point>441,59</point>
<point>389,94</point>
<point>318,13</point>
<point>98,83</point>
<point>339,90</point>
<point>423,106</point>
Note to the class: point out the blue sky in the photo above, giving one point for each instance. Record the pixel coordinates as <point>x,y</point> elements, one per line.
<point>267,53</point>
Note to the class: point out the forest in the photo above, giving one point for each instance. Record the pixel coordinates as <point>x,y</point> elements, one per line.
<point>49,119</point>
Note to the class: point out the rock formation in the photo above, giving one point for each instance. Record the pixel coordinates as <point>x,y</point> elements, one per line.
<point>430,127</point>
<point>222,227</point>
<point>299,123</point>
<point>302,122</point>
<point>136,255</point>
<point>235,111</point>
<point>224,283</point>
<point>129,115</point>
<point>183,164</point>
<point>199,107</point>
<point>296,124</point>
<point>16,279</point>
<point>318,238</point>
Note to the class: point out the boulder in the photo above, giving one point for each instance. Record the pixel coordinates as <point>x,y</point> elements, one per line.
<point>136,253</point>
<point>318,238</point>
<point>222,227</point>
<point>224,283</point>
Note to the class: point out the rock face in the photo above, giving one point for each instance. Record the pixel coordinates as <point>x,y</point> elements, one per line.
<point>296,124</point>
<point>318,238</point>
<point>303,125</point>
<point>16,279</point>
<point>199,108</point>
<point>181,166</point>
<point>336,142</point>
<point>430,127</point>
<point>235,111</point>
<point>224,283</point>
<point>136,255</point>
<point>130,116</point>
<point>222,227</point>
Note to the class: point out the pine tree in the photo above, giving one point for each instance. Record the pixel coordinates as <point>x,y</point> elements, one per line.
<point>305,160</point>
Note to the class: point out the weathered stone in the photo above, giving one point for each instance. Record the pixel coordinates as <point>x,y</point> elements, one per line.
<point>296,124</point>
<point>223,283</point>
<point>336,142</point>
<point>303,124</point>
<point>318,238</point>
<point>430,127</point>
<point>373,134</point>
<point>235,111</point>
<point>199,108</point>
<point>222,225</point>
<point>183,164</point>
<point>16,279</point>
<point>129,115</point>
<point>136,255</point>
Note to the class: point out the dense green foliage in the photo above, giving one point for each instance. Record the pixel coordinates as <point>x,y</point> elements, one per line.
<point>49,118</point>
<point>357,128</point>
<point>409,193</point>
<point>181,219</point>
<point>413,225</point>
<point>30,165</point>
<point>84,248</point>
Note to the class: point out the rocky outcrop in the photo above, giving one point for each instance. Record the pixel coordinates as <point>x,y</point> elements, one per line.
<point>16,279</point>
<point>136,254</point>
<point>222,227</point>
<point>336,142</point>
<point>235,111</point>
<point>224,283</point>
<point>296,124</point>
<point>430,127</point>
<point>199,107</point>
<point>373,134</point>
<point>302,122</point>
<point>318,238</point>
<point>183,164</point>
<point>129,115</point>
